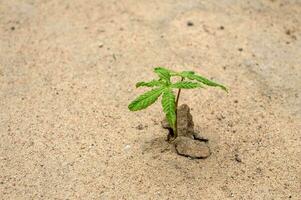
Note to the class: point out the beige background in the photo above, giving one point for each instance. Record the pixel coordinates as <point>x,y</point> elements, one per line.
<point>67,74</point>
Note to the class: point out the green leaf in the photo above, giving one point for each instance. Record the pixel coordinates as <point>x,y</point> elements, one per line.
<point>163,73</point>
<point>188,72</point>
<point>186,85</point>
<point>193,76</point>
<point>169,107</point>
<point>146,99</point>
<point>148,84</point>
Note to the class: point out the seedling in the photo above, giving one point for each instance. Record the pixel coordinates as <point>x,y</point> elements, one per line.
<point>163,86</point>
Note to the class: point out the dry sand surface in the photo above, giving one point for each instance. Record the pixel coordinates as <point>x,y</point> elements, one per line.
<point>67,74</point>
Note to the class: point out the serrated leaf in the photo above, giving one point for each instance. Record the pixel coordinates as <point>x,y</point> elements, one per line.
<point>146,99</point>
<point>193,76</point>
<point>169,107</point>
<point>163,73</point>
<point>148,84</point>
<point>186,85</point>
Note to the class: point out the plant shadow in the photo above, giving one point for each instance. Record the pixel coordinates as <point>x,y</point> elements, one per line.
<point>157,146</point>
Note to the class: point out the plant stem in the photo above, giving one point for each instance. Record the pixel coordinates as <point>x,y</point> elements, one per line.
<point>177,102</point>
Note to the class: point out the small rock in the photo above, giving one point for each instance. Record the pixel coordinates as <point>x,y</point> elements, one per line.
<point>127,147</point>
<point>237,158</point>
<point>191,148</point>
<point>288,32</point>
<point>139,127</point>
<point>189,23</point>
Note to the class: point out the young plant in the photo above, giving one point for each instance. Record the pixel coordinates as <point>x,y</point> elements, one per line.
<point>163,86</point>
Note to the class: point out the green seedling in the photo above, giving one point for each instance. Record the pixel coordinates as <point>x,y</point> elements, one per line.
<point>163,86</point>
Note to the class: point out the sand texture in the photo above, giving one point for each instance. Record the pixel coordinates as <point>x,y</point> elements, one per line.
<point>68,71</point>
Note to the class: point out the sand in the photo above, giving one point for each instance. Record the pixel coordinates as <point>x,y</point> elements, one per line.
<point>67,74</point>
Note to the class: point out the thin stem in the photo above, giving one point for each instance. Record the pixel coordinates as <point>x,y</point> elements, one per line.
<point>177,102</point>
<point>178,96</point>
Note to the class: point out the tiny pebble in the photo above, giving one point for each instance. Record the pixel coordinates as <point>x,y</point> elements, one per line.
<point>189,23</point>
<point>127,147</point>
<point>139,127</point>
<point>237,158</point>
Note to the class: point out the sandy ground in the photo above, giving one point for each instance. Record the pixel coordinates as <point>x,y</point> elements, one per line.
<point>67,74</point>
